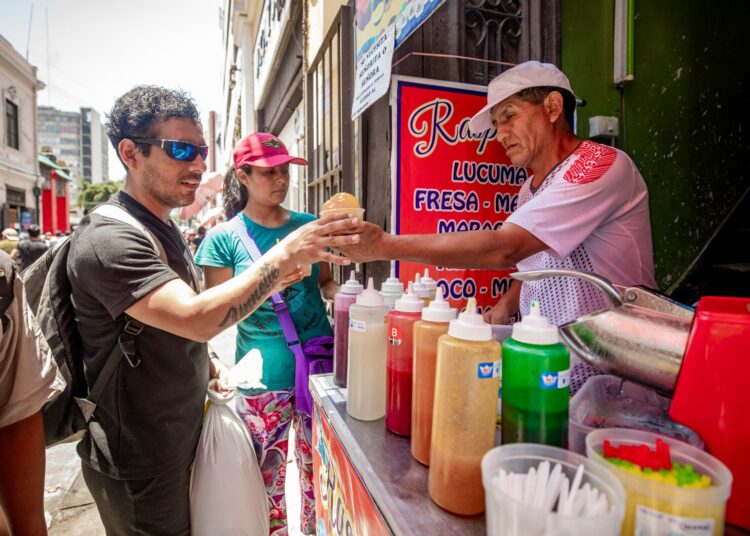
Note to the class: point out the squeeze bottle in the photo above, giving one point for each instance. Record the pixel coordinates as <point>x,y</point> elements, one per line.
<point>463,417</point>
<point>407,311</point>
<point>368,339</point>
<point>392,289</point>
<point>434,323</point>
<point>430,283</point>
<point>421,290</point>
<point>343,299</point>
<point>536,383</point>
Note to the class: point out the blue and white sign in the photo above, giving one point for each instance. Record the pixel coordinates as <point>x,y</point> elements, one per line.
<point>489,369</point>
<point>555,380</point>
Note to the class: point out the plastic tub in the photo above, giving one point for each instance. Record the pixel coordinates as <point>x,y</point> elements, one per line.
<point>500,332</point>
<point>506,516</point>
<point>610,402</point>
<point>356,212</point>
<point>655,508</point>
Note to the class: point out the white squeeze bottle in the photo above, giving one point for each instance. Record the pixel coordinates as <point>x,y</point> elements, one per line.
<point>430,283</point>
<point>392,289</point>
<point>421,290</point>
<point>368,340</point>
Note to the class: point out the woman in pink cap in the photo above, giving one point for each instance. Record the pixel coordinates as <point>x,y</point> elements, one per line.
<point>254,192</point>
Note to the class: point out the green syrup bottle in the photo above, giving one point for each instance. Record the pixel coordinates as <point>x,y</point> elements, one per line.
<point>536,383</point>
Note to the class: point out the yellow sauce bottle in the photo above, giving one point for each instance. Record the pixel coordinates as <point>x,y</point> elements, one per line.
<point>463,419</point>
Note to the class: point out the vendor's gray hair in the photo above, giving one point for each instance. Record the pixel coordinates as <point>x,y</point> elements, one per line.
<point>536,95</point>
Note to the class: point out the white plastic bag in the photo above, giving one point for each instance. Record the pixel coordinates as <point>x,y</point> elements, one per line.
<point>227,494</point>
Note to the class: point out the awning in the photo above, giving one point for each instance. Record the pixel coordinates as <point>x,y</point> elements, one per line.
<point>211,184</point>
<point>210,217</point>
<point>50,164</point>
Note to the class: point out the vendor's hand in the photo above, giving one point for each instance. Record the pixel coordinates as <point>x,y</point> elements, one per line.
<point>312,242</point>
<point>370,247</point>
<point>219,370</point>
<point>498,314</point>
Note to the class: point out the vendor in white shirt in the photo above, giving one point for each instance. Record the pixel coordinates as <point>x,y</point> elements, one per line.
<point>584,207</point>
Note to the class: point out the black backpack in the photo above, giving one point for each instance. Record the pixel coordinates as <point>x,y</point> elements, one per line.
<point>48,293</point>
<point>7,277</point>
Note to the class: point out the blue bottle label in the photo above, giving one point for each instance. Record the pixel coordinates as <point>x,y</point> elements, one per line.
<point>555,380</point>
<point>490,369</point>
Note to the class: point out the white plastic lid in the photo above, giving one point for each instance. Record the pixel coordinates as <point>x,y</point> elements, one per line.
<point>409,302</point>
<point>535,328</point>
<point>370,297</point>
<point>392,285</point>
<point>439,310</point>
<point>420,289</point>
<point>352,286</point>
<point>469,325</point>
<point>429,282</point>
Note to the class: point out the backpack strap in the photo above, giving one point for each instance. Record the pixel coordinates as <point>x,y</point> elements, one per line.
<point>116,212</point>
<point>132,328</point>
<point>125,346</point>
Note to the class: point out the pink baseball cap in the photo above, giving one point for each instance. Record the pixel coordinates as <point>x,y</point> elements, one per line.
<point>264,150</point>
<point>507,84</point>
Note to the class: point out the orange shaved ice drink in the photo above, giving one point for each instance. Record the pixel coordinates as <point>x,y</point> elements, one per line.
<point>342,203</point>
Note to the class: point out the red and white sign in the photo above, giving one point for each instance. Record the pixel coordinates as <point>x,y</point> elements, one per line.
<point>446,179</point>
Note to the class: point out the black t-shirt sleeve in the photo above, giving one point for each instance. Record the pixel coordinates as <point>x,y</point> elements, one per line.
<point>118,264</point>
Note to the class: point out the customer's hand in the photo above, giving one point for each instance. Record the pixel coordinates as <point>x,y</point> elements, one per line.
<point>312,242</point>
<point>220,372</point>
<point>295,276</point>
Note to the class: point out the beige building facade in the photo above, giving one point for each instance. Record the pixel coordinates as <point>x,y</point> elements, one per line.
<point>19,170</point>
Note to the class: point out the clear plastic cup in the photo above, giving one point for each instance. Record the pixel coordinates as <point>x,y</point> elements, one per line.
<point>358,213</point>
<point>660,508</point>
<point>508,517</point>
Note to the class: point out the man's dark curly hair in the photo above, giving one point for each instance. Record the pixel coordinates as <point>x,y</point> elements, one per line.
<point>137,111</point>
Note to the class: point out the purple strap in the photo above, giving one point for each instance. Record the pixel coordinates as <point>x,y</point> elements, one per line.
<point>313,347</point>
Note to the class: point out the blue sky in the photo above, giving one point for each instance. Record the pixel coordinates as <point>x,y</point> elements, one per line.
<point>98,49</point>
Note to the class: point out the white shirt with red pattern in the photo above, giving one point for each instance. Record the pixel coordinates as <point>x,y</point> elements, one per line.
<point>592,212</point>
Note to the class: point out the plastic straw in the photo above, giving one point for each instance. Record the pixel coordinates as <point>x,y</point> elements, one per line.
<point>542,488</point>
<point>568,505</point>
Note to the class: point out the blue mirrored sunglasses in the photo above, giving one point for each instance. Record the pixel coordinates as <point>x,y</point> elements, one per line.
<point>179,150</point>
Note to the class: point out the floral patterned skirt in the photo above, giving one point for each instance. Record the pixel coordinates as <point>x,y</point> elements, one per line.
<point>268,417</point>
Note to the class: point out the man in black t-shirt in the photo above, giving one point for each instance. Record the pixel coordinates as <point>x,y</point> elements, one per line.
<point>142,437</point>
<point>30,250</point>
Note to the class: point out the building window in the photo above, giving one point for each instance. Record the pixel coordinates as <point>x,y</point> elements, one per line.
<point>11,124</point>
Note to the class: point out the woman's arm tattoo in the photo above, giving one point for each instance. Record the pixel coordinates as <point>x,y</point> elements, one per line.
<point>269,275</point>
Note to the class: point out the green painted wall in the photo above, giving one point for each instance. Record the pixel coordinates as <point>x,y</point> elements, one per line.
<point>686,112</point>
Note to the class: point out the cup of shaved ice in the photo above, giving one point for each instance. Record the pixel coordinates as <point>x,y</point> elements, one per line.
<point>342,203</point>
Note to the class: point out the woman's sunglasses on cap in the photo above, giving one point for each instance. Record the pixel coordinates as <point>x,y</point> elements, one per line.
<point>176,149</point>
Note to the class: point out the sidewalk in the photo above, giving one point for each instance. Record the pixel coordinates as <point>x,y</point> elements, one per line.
<point>68,505</point>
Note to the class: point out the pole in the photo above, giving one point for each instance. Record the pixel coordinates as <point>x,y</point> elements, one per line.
<point>49,74</point>
<point>28,34</point>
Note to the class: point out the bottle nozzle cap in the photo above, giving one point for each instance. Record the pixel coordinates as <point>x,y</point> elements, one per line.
<point>439,310</point>
<point>392,286</point>
<point>409,302</point>
<point>370,297</point>
<point>352,286</point>
<point>429,282</point>
<point>535,328</point>
<point>420,289</point>
<point>470,325</point>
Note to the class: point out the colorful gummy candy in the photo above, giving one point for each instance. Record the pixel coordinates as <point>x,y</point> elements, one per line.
<point>655,465</point>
